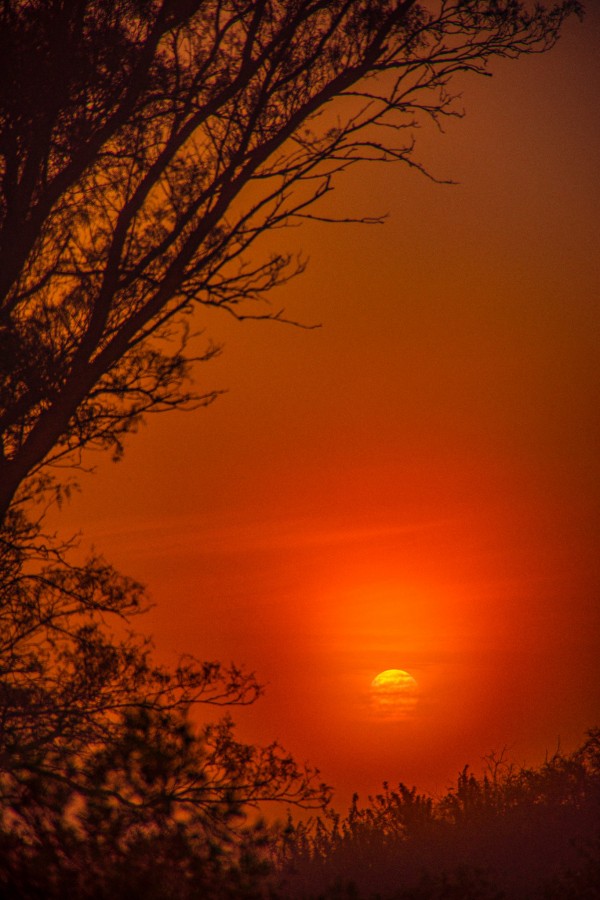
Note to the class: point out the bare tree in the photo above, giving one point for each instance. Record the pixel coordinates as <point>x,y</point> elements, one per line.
<point>146,147</point>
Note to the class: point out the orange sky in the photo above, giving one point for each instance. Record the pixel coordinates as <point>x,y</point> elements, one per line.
<point>414,485</point>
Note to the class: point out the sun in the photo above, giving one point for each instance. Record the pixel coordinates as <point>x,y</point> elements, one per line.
<point>394,694</point>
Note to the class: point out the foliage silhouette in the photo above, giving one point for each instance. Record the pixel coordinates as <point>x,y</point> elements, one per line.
<point>100,763</point>
<point>514,833</point>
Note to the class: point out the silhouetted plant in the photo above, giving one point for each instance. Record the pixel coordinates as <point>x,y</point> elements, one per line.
<point>145,148</point>
<point>101,770</point>
<point>514,832</point>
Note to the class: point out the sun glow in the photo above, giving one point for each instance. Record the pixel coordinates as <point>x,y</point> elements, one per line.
<point>394,694</point>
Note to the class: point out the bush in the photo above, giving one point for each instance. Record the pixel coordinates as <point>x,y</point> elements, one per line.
<point>511,833</point>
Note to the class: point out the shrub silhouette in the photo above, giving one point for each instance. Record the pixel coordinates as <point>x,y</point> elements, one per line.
<point>511,833</point>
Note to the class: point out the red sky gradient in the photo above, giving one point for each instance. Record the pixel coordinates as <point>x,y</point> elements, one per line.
<point>415,484</point>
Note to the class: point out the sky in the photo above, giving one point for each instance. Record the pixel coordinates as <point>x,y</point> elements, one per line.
<point>414,484</point>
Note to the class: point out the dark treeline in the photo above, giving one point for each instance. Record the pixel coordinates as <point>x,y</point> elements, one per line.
<point>514,833</point>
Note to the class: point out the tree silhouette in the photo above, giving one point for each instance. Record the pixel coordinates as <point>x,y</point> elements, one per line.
<point>146,147</point>
<point>103,771</point>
